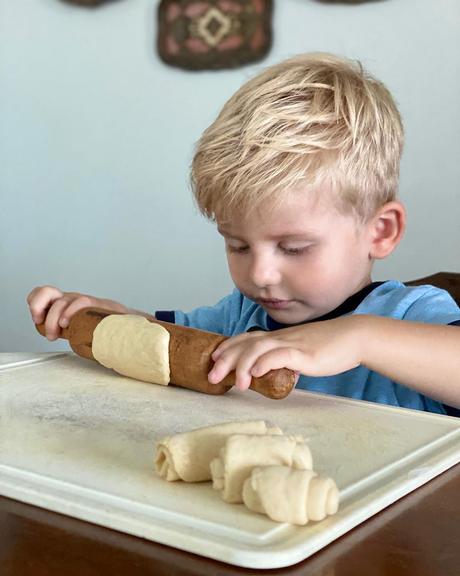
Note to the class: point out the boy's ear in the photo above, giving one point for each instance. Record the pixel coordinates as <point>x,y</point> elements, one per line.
<point>386,229</point>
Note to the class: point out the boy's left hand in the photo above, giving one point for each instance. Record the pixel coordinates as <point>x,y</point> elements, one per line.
<point>321,348</point>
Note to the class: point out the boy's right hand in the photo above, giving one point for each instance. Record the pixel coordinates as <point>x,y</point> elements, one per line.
<point>54,307</point>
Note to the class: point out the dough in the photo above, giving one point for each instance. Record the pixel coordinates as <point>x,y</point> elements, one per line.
<point>187,456</point>
<point>290,495</point>
<point>133,346</point>
<point>242,452</point>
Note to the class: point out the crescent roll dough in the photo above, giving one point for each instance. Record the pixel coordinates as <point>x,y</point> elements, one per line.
<point>187,456</point>
<point>290,495</point>
<point>133,346</point>
<point>241,453</point>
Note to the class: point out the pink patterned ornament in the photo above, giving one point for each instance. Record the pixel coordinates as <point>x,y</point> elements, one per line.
<point>213,34</point>
<point>88,3</point>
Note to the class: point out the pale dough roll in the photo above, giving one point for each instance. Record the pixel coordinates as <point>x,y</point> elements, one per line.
<point>290,495</point>
<point>241,453</point>
<point>133,346</point>
<point>187,456</point>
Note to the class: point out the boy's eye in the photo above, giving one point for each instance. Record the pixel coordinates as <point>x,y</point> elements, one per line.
<point>237,249</point>
<point>243,248</point>
<point>294,251</point>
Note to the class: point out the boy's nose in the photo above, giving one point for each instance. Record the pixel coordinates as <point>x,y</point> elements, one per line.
<point>264,273</point>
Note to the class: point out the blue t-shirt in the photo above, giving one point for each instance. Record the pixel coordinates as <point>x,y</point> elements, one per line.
<point>236,314</point>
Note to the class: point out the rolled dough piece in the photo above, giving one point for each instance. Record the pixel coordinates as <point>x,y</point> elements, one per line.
<point>133,346</point>
<point>186,456</point>
<point>290,495</point>
<point>242,452</point>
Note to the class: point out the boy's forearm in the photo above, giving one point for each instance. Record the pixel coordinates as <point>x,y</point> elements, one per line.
<point>137,312</point>
<point>424,357</point>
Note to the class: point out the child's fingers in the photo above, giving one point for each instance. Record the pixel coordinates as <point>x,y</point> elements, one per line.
<point>219,371</point>
<point>78,302</point>
<point>243,380</point>
<point>52,327</point>
<point>223,347</point>
<point>241,357</point>
<point>234,340</point>
<point>277,358</point>
<point>225,362</point>
<point>40,299</point>
<point>248,357</point>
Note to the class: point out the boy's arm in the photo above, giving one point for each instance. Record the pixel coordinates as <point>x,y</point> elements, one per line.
<point>225,317</point>
<point>424,357</point>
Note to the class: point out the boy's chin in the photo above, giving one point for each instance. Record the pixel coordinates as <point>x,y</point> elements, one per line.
<point>290,316</point>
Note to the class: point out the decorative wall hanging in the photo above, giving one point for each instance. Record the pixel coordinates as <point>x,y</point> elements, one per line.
<point>213,34</point>
<point>85,2</point>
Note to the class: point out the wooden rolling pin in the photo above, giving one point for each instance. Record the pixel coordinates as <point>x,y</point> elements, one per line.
<point>189,355</point>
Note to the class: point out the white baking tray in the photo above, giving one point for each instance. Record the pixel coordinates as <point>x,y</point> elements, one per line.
<point>78,439</point>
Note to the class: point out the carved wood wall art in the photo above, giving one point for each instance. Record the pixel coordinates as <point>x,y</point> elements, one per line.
<point>213,34</point>
<point>85,2</point>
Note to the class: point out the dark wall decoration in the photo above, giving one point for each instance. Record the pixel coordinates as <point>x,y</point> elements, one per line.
<point>85,2</point>
<point>213,34</point>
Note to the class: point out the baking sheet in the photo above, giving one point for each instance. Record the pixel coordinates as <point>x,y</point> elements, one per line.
<point>78,439</point>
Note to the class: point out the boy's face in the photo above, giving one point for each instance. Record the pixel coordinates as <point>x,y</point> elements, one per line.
<point>299,260</point>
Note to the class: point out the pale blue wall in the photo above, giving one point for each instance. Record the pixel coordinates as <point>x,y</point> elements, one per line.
<point>96,137</point>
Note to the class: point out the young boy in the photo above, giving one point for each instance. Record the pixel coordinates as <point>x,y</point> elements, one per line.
<point>300,173</point>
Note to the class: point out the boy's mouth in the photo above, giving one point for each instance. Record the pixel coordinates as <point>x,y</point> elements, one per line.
<point>274,303</point>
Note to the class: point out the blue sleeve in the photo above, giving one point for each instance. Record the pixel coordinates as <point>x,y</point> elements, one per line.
<point>220,318</point>
<point>434,306</point>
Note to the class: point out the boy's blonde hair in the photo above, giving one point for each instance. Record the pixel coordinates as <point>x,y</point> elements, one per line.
<point>313,120</point>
